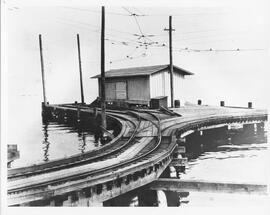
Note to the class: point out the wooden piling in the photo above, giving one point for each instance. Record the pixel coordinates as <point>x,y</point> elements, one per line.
<point>177,103</point>
<point>80,68</point>
<point>222,103</point>
<point>42,70</point>
<point>78,114</point>
<point>95,112</point>
<point>52,203</point>
<point>82,200</point>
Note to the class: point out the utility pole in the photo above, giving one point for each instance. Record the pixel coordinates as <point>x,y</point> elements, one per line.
<point>42,71</point>
<point>171,59</point>
<point>80,67</point>
<point>102,79</point>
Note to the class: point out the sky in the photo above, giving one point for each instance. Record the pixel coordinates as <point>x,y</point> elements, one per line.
<point>236,77</point>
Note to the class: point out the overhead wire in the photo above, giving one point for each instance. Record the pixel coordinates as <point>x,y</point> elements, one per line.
<point>217,50</point>
<point>94,11</point>
<point>128,58</point>
<point>141,13</point>
<point>147,41</point>
<point>152,43</point>
<point>138,25</point>
<point>147,37</point>
<point>97,27</point>
<point>130,13</point>
<point>142,35</point>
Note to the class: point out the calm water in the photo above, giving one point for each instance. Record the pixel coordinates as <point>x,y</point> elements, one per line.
<point>235,157</point>
<point>38,142</point>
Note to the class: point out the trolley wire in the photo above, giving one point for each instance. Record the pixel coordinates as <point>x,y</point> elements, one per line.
<point>142,39</point>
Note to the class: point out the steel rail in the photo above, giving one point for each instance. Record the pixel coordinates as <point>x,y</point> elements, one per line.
<point>98,171</point>
<point>189,124</point>
<point>79,159</point>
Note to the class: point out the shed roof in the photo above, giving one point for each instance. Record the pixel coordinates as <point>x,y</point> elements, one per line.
<point>141,71</point>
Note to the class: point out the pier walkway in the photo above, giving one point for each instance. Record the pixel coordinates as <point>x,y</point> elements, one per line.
<point>142,149</point>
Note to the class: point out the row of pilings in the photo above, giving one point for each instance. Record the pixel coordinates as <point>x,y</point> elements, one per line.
<point>207,140</point>
<point>77,117</point>
<point>191,147</point>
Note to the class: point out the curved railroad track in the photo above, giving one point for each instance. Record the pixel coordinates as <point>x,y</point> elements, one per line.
<point>152,146</point>
<point>115,146</point>
<point>110,164</point>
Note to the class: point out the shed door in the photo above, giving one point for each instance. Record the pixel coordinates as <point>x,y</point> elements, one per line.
<point>121,90</point>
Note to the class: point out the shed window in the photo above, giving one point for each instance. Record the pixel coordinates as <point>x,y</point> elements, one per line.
<point>121,90</point>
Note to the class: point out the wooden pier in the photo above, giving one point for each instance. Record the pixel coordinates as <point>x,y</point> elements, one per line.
<point>145,144</point>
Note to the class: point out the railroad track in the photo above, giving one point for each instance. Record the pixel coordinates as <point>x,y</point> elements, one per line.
<point>89,157</point>
<point>142,155</point>
<point>109,167</point>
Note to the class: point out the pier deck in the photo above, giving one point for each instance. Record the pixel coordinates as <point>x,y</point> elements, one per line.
<point>137,156</point>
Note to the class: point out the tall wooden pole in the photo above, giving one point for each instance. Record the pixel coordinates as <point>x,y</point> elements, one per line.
<point>102,82</point>
<point>171,61</point>
<point>42,70</point>
<point>80,67</point>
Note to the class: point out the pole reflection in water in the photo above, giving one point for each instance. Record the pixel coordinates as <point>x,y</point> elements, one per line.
<point>60,140</point>
<point>82,141</point>
<point>45,142</point>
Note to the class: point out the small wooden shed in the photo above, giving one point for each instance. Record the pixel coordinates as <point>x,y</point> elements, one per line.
<point>138,85</point>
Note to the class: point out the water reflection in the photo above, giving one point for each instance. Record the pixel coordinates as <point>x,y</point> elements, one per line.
<point>82,141</point>
<point>72,134</point>
<point>246,138</point>
<point>46,143</point>
<point>225,155</point>
<point>214,155</point>
<point>56,141</point>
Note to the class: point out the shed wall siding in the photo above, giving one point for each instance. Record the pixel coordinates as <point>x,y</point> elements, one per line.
<point>160,85</point>
<point>121,90</point>
<point>178,86</point>
<point>168,86</point>
<point>157,85</point>
<point>110,91</point>
<point>137,88</point>
<point>144,88</point>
